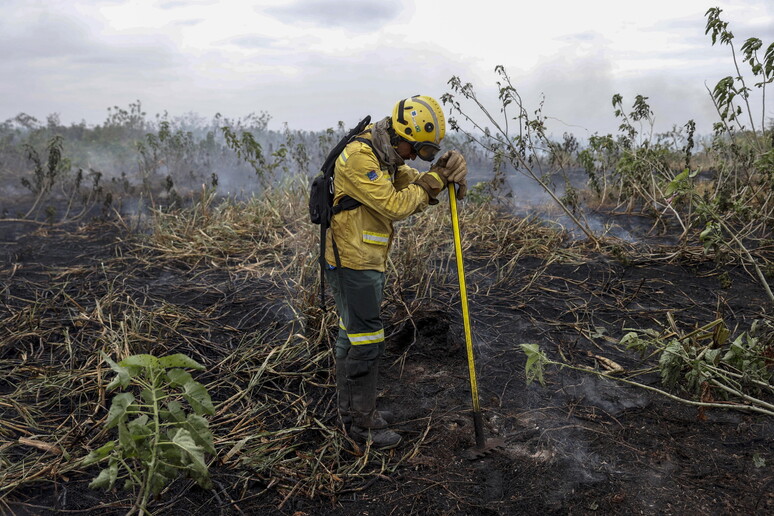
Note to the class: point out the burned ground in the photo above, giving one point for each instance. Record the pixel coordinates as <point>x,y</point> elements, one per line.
<point>579,445</point>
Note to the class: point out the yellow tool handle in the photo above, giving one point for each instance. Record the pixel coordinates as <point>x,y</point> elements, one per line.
<point>463,297</point>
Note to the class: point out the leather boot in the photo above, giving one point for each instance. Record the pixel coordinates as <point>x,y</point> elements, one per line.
<point>367,423</point>
<point>384,418</point>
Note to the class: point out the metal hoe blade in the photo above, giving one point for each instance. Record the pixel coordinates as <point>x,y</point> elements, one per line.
<point>483,447</point>
<point>489,447</point>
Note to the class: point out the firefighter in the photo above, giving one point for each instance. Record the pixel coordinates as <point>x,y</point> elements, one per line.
<point>374,173</point>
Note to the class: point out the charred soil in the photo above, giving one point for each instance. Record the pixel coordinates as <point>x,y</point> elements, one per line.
<point>580,445</point>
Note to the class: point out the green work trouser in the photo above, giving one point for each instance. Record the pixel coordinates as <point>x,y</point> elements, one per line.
<point>358,295</point>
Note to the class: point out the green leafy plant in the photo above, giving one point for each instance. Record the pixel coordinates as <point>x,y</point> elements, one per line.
<point>536,363</point>
<point>480,193</point>
<point>711,369</point>
<point>44,175</point>
<point>249,149</point>
<point>732,92</point>
<point>707,364</point>
<point>728,207</point>
<point>517,137</point>
<point>157,439</point>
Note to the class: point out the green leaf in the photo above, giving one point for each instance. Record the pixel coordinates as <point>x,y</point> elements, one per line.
<point>122,373</point>
<point>712,356</point>
<point>143,360</point>
<point>180,360</point>
<point>185,442</point>
<point>171,454</point>
<point>198,397</point>
<point>176,411</point>
<point>135,438</point>
<point>678,183</point>
<point>758,461</point>
<point>139,427</point>
<point>671,362</point>
<point>708,232</point>
<point>178,377</point>
<point>102,480</point>
<point>199,429</point>
<point>119,406</point>
<point>107,477</point>
<point>536,361</point>
<point>159,480</point>
<point>98,454</point>
<point>735,351</point>
<point>128,446</point>
<point>632,340</point>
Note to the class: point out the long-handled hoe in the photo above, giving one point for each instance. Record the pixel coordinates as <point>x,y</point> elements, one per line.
<point>483,446</point>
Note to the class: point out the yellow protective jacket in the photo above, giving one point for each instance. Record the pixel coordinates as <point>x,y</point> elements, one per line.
<point>363,235</point>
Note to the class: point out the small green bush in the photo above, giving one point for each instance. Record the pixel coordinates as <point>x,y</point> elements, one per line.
<point>157,439</point>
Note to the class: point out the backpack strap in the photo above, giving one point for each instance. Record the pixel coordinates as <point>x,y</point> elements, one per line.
<point>346,203</point>
<point>364,140</point>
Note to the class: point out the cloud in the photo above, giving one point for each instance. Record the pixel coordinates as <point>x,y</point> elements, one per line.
<point>189,22</point>
<point>56,64</point>
<point>59,40</point>
<point>576,85</point>
<point>582,37</point>
<point>325,88</point>
<point>353,15</point>
<point>577,92</point>
<point>252,41</point>
<point>691,30</point>
<point>177,4</point>
<point>743,25</point>
<point>47,36</point>
<point>312,63</point>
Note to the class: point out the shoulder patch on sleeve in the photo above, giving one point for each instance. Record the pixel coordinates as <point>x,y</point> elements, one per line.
<point>372,175</point>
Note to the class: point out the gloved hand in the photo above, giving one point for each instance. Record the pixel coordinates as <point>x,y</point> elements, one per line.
<point>433,182</point>
<point>457,170</point>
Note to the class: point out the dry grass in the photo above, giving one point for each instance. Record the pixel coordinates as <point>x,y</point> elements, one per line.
<point>233,285</point>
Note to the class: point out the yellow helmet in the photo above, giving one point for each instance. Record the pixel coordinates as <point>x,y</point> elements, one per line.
<point>420,121</point>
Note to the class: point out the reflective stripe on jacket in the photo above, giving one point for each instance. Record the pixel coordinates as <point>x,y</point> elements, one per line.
<point>363,236</point>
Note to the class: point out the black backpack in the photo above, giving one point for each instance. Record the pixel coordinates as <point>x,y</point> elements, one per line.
<point>321,208</point>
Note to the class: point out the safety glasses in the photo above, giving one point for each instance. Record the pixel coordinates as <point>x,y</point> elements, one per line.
<point>425,150</point>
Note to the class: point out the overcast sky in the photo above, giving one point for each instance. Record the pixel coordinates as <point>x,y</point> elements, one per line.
<point>311,63</point>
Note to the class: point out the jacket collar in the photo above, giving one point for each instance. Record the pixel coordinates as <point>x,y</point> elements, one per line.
<point>384,150</point>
